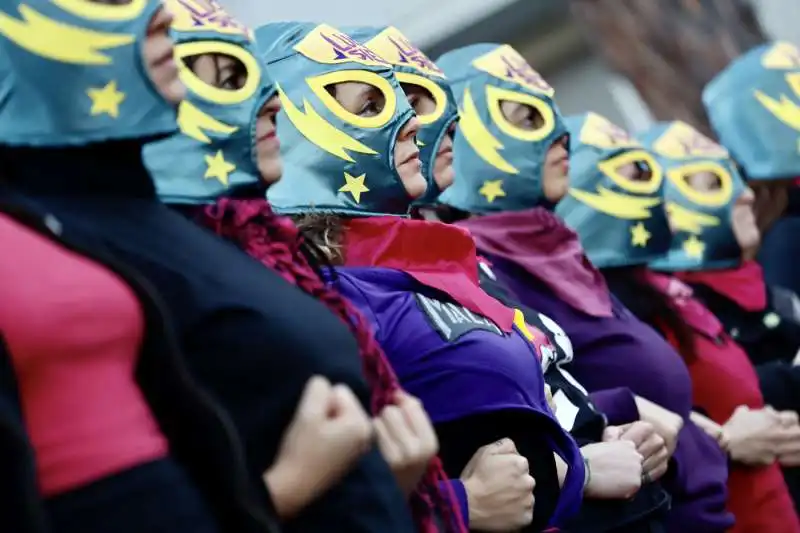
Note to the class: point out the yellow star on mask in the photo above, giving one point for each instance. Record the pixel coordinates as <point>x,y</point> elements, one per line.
<point>218,168</point>
<point>694,247</point>
<point>492,189</point>
<point>354,186</point>
<point>105,99</point>
<point>640,235</point>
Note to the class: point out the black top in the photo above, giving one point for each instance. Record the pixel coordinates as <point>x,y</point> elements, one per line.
<point>646,511</point>
<point>201,436</point>
<point>249,336</point>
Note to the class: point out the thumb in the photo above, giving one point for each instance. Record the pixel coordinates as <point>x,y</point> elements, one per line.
<point>344,403</point>
<point>315,400</point>
<point>612,433</point>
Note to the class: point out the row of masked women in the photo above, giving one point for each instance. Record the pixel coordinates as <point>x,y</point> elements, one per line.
<point>305,279</point>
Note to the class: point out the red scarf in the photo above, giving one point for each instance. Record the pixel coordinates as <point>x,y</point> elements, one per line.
<point>437,255</point>
<point>744,285</point>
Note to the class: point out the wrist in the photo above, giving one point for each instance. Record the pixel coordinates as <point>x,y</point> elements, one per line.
<point>587,473</point>
<point>476,516</point>
<point>284,490</point>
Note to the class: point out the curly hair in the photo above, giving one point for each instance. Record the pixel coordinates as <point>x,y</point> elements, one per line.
<point>278,244</point>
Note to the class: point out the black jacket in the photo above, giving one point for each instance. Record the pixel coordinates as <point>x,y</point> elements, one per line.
<point>202,437</point>
<point>249,337</point>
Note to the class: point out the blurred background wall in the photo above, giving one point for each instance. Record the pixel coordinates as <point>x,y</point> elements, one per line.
<point>594,52</point>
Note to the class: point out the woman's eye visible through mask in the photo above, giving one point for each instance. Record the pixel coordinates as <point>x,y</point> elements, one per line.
<point>522,115</point>
<point>372,107</point>
<point>639,171</point>
<point>419,98</point>
<point>218,70</point>
<point>358,98</point>
<point>704,181</point>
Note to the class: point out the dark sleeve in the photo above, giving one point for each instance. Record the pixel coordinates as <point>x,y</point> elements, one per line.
<point>460,439</point>
<point>619,405</point>
<point>459,492</point>
<point>780,385</point>
<point>20,504</point>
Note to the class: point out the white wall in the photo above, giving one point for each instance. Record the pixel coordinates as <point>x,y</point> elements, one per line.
<point>423,21</point>
<point>583,86</point>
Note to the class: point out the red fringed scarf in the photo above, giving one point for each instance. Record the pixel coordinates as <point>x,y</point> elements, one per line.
<point>276,242</point>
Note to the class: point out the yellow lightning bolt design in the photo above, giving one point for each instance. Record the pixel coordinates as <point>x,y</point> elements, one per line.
<point>784,109</point>
<point>480,138</point>
<point>58,41</point>
<point>192,122</point>
<point>320,132</point>
<point>617,205</point>
<point>683,219</point>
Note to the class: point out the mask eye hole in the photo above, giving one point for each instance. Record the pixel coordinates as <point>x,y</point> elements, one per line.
<point>360,99</point>
<point>520,115</point>
<point>425,96</point>
<point>637,171</point>
<point>705,181</point>
<point>420,99</point>
<point>218,70</point>
<point>523,116</point>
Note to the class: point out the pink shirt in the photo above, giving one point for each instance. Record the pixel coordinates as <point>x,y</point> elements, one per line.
<point>74,330</point>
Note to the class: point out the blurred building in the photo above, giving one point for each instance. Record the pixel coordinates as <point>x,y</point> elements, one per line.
<point>542,30</point>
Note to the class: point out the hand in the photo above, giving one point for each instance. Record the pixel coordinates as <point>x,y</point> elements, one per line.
<point>788,450</point>
<point>753,435</point>
<point>406,439</point>
<point>649,444</point>
<point>615,469</point>
<point>711,428</point>
<point>329,432</point>
<point>499,488</point>
<point>666,423</point>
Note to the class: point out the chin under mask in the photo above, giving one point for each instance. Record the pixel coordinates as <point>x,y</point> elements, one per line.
<point>214,153</point>
<point>73,73</point>
<point>754,108</point>
<point>614,202</point>
<point>700,218</point>
<point>337,160</point>
<point>498,164</point>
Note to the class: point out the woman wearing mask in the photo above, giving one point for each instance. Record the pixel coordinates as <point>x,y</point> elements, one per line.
<point>621,242</point>
<point>615,466</point>
<point>511,164</point>
<point>752,106</point>
<point>102,429</point>
<point>429,94</point>
<point>233,205</point>
<point>229,311</point>
<point>403,274</point>
<point>715,239</point>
